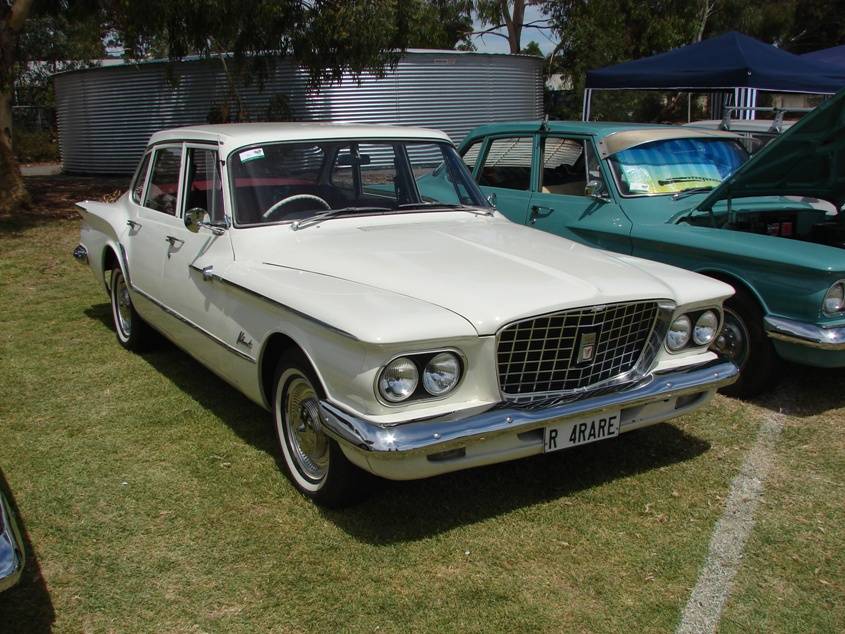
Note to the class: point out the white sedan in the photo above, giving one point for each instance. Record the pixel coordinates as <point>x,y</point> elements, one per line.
<point>354,281</point>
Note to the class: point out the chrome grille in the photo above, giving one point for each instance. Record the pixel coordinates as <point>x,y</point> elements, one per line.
<point>550,354</point>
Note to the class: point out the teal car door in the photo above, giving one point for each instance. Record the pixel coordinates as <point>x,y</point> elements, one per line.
<point>570,197</point>
<point>504,173</point>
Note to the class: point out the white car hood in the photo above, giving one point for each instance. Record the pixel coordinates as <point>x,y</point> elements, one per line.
<point>488,270</point>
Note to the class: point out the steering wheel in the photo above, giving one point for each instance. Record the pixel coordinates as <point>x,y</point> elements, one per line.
<point>284,201</point>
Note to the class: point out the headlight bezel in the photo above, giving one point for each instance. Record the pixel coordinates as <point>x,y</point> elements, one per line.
<point>693,316</point>
<point>839,312</point>
<point>421,358</point>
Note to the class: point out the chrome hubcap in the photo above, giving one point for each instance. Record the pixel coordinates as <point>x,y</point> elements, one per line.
<point>308,445</point>
<point>732,341</point>
<point>123,306</point>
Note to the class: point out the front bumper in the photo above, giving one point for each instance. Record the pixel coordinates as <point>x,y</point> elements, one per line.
<point>805,334</point>
<point>11,547</point>
<point>423,448</point>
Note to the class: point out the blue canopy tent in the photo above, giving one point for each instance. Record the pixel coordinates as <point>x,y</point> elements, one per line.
<point>834,56</point>
<point>732,61</point>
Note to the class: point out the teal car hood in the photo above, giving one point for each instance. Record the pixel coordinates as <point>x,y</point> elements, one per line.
<point>806,160</point>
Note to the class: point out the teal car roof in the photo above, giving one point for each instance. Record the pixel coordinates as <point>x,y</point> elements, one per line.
<point>598,129</point>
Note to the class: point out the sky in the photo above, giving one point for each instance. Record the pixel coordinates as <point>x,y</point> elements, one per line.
<point>494,44</point>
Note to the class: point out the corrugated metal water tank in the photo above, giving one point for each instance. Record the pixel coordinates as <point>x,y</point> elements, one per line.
<point>107,114</point>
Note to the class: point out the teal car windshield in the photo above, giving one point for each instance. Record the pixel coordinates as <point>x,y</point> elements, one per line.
<point>675,165</point>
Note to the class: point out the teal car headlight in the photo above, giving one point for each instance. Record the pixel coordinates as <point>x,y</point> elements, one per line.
<point>834,300</point>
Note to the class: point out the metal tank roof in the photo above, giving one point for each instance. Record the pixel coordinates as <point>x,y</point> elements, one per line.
<point>107,114</point>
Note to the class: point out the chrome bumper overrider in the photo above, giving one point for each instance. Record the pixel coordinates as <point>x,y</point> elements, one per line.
<point>805,334</point>
<point>461,429</point>
<point>11,548</point>
<point>80,254</point>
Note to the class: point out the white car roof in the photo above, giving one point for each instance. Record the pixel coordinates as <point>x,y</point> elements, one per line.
<point>234,135</point>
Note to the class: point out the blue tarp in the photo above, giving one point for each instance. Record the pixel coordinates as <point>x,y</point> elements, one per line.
<point>835,56</point>
<point>732,60</point>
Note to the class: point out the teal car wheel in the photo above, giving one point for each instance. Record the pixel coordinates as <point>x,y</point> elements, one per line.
<point>743,341</point>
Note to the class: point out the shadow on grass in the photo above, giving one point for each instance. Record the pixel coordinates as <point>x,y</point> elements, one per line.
<point>804,391</point>
<point>27,606</point>
<point>407,511</point>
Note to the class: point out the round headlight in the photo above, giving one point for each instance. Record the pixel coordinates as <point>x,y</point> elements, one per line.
<point>834,299</point>
<point>398,380</point>
<point>441,374</point>
<point>679,333</point>
<point>705,328</point>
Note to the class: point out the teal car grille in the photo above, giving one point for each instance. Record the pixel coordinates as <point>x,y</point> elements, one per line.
<point>573,350</point>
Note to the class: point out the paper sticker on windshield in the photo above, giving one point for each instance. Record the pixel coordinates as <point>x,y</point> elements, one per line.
<point>638,180</point>
<point>250,155</point>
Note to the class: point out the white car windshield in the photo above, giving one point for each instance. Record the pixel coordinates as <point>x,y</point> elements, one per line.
<point>286,182</point>
<point>675,165</point>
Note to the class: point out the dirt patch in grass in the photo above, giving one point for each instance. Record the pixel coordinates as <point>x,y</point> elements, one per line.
<point>53,198</point>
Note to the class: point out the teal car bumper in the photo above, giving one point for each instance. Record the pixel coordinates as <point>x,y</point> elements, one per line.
<point>805,343</point>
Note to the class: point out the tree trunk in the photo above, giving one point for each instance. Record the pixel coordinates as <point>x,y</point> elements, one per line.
<point>13,192</point>
<point>514,23</point>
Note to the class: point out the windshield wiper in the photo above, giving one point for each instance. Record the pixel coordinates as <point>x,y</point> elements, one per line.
<point>428,204</point>
<point>689,191</point>
<point>331,213</point>
<point>687,179</point>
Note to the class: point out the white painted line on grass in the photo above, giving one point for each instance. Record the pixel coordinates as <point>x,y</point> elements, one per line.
<point>708,598</point>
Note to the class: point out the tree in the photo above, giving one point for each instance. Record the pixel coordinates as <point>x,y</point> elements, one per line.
<point>509,15</point>
<point>329,37</point>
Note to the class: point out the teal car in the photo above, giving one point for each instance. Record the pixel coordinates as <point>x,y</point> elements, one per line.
<point>771,225</point>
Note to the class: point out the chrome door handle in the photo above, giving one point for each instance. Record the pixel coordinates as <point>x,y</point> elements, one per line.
<point>133,225</point>
<point>173,240</point>
<point>539,211</point>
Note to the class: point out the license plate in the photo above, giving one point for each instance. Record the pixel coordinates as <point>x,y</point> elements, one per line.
<point>581,431</point>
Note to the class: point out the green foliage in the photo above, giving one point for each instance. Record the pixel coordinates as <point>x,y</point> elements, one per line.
<point>35,147</point>
<point>532,48</point>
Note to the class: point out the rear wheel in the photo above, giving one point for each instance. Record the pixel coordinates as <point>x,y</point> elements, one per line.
<point>313,461</point>
<point>744,341</point>
<point>133,333</point>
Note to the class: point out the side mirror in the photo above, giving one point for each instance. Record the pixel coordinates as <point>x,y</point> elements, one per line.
<point>195,218</point>
<point>595,189</point>
<point>492,199</point>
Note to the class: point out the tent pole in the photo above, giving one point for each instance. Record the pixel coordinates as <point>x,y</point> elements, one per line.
<point>585,111</point>
<point>689,107</point>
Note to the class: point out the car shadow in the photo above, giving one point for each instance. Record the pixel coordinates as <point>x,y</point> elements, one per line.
<point>408,511</point>
<point>804,391</point>
<point>417,509</point>
<point>26,607</point>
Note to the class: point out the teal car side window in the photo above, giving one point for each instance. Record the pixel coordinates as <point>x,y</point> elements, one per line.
<point>508,163</point>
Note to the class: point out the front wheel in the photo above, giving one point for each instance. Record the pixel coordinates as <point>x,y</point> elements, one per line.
<point>744,341</point>
<point>313,461</point>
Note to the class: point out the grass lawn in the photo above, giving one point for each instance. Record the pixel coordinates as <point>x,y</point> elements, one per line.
<point>151,498</point>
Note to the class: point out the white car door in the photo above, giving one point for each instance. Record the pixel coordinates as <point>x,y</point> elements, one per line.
<point>188,287</point>
<point>153,222</point>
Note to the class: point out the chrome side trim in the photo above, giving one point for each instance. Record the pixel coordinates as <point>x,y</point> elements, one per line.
<point>804,334</point>
<point>188,322</point>
<point>80,254</point>
<point>210,275</point>
<point>460,429</point>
